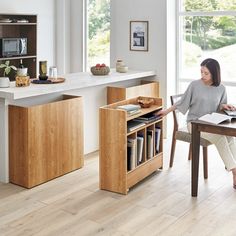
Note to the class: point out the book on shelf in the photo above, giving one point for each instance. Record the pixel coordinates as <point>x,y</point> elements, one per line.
<point>215,118</point>
<point>147,120</point>
<point>128,157</point>
<point>129,107</point>
<point>131,153</point>
<point>157,139</point>
<point>133,125</point>
<point>140,141</point>
<point>149,144</point>
<point>134,112</point>
<point>149,116</point>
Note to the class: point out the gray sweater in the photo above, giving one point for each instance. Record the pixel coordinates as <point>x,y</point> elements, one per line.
<point>200,99</point>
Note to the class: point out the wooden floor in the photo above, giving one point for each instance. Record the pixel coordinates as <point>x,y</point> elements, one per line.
<point>159,205</point>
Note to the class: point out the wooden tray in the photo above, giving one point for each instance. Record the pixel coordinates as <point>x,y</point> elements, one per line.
<point>48,81</point>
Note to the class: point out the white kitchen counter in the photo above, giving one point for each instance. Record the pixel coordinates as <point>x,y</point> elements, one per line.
<point>73,81</point>
<point>91,88</point>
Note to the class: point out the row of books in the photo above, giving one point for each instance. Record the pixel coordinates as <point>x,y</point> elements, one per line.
<point>135,147</point>
<point>153,142</point>
<point>134,152</point>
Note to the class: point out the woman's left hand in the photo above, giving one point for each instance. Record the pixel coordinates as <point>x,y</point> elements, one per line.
<point>228,107</point>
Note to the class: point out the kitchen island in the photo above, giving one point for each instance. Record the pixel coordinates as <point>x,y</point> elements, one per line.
<point>91,88</point>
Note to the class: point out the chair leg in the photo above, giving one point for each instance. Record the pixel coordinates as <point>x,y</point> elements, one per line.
<point>190,152</point>
<point>172,152</point>
<point>205,162</point>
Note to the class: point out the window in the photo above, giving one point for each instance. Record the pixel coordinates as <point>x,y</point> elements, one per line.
<point>207,29</point>
<point>98,32</point>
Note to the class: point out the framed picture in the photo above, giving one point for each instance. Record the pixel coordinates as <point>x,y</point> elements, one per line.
<point>139,35</point>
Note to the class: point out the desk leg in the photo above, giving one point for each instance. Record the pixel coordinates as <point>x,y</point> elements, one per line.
<point>195,158</point>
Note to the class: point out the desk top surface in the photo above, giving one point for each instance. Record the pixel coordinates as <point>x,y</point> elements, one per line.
<point>73,81</point>
<point>224,128</point>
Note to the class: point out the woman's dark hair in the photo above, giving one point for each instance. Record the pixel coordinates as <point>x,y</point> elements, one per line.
<point>214,67</point>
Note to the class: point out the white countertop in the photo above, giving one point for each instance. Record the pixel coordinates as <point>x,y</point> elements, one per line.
<point>73,81</point>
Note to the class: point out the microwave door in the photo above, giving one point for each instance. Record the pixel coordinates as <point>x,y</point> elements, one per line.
<point>23,46</point>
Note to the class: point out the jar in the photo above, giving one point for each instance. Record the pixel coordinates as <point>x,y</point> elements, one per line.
<point>119,63</point>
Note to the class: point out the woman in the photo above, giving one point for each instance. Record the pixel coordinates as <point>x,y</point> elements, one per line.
<point>205,96</point>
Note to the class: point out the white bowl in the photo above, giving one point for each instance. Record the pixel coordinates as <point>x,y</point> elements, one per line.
<point>4,82</point>
<point>22,71</point>
<point>123,69</point>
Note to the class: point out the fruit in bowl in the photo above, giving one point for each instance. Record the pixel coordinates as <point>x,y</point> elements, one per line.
<point>100,69</point>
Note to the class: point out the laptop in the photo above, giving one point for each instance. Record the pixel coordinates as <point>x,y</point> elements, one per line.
<point>230,113</point>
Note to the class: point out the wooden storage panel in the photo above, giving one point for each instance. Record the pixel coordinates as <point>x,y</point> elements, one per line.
<point>147,88</point>
<point>114,175</point>
<point>45,141</point>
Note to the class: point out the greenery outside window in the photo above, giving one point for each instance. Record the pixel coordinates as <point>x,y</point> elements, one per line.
<point>207,29</point>
<point>98,32</point>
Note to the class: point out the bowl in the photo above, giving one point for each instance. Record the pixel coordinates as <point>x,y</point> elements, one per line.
<point>104,70</point>
<point>145,102</point>
<point>22,71</point>
<point>122,69</point>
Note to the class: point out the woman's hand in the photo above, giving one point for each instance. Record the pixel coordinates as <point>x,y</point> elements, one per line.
<point>228,107</point>
<point>164,112</point>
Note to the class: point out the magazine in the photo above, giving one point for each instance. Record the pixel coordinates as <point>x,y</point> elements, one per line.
<point>215,118</point>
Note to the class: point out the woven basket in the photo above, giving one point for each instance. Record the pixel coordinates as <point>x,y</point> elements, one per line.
<point>100,70</point>
<point>145,102</point>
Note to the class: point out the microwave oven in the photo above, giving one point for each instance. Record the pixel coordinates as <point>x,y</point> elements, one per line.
<point>13,47</point>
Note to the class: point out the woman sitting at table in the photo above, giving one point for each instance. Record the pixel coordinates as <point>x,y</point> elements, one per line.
<point>204,96</point>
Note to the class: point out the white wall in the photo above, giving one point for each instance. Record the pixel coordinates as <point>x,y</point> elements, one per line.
<point>45,9</point>
<point>154,11</point>
<point>69,49</point>
<point>161,53</point>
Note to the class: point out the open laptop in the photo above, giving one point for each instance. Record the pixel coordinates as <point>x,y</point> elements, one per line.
<point>230,113</point>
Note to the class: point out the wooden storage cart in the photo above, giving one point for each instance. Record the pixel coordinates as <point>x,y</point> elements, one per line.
<point>114,175</point>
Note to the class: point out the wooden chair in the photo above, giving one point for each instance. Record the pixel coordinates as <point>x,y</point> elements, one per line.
<point>182,134</point>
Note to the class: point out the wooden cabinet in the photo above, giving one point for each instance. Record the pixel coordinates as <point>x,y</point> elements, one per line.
<point>45,141</point>
<point>17,29</point>
<point>146,88</point>
<point>113,162</point>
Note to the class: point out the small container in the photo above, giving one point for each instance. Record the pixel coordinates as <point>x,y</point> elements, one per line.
<point>22,81</point>
<point>123,69</point>
<point>43,68</point>
<point>119,63</point>
<point>22,71</point>
<point>4,82</point>
<point>53,72</point>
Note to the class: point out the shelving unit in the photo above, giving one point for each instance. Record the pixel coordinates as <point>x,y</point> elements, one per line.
<point>114,175</point>
<point>45,141</point>
<point>21,30</point>
<point>146,88</point>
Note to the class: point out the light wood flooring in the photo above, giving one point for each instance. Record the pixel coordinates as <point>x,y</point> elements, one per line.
<point>159,205</point>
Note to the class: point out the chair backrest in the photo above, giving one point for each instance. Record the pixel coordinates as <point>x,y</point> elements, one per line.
<point>176,115</point>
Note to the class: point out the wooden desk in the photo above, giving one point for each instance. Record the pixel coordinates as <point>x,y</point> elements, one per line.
<point>228,129</point>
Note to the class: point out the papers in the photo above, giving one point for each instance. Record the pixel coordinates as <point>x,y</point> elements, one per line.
<point>215,118</point>
<point>129,107</point>
<point>132,109</point>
